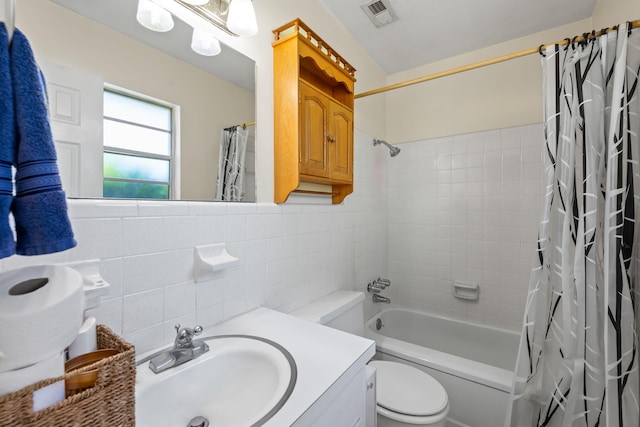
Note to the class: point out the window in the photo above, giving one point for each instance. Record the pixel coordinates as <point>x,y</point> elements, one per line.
<point>138,147</point>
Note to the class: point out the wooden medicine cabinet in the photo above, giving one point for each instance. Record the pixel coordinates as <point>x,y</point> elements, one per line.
<point>313,114</point>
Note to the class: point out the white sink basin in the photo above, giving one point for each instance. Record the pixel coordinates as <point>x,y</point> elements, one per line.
<point>240,381</point>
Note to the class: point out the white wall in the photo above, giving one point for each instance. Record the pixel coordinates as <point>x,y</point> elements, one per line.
<point>466,208</point>
<point>608,13</point>
<point>494,97</point>
<point>289,254</point>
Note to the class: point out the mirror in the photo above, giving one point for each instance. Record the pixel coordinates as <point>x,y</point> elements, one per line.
<point>101,41</point>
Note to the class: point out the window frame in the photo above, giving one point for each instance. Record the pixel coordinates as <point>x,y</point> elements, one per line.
<point>173,158</point>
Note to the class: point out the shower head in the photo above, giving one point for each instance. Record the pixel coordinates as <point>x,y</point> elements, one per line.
<point>393,151</point>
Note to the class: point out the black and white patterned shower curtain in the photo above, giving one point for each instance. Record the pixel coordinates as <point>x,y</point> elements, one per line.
<point>578,358</point>
<point>231,168</point>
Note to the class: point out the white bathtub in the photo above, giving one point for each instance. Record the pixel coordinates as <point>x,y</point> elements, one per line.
<point>474,363</point>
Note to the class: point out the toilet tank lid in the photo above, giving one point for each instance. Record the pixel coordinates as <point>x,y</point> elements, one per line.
<point>329,307</point>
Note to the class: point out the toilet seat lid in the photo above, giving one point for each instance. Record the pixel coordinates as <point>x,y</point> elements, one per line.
<point>408,390</point>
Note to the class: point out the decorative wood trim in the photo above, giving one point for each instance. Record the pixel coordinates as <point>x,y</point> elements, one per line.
<point>305,33</point>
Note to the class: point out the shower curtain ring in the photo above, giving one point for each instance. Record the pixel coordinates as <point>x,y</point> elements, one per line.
<point>585,39</point>
<point>573,42</point>
<point>544,55</point>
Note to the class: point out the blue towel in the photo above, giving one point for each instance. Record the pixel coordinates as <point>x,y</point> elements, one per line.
<point>7,147</point>
<point>40,206</point>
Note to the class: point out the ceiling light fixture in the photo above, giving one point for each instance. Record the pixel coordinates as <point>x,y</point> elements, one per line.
<point>196,2</point>
<point>242,18</point>
<point>204,43</point>
<point>234,17</point>
<point>153,17</point>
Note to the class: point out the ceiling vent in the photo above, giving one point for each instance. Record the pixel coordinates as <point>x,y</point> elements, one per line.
<point>380,12</point>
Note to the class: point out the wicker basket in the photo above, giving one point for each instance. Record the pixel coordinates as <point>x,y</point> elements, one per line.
<point>110,403</point>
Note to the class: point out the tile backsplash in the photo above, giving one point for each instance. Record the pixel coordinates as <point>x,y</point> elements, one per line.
<point>466,208</point>
<point>457,208</point>
<point>289,254</point>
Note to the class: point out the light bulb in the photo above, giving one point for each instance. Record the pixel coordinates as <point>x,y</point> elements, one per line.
<point>196,2</point>
<point>204,43</point>
<point>242,18</point>
<point>153,17</point>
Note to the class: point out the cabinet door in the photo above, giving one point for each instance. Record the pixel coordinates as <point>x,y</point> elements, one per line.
<point>346,408</point>
<point>314,109</point>
<point>340,146</point>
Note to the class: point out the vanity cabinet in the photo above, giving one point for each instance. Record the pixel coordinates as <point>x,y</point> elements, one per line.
<point>313,115</point>
<point>347,406</point>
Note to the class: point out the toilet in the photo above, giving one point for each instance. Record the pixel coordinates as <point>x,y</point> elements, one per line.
<point>405,396</point>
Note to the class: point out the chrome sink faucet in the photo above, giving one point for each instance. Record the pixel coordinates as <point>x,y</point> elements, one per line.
<point>184,349</point>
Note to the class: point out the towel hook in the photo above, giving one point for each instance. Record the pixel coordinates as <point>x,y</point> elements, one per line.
<point>9,17</point>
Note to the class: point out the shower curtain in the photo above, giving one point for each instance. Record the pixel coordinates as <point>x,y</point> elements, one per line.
<point>578,358</point>
<point>233,147</point>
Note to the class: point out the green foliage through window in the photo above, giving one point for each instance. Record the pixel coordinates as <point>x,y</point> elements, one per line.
<point>137,148</point>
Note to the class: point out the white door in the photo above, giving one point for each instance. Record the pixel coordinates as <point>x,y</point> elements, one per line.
<point>76,115</point>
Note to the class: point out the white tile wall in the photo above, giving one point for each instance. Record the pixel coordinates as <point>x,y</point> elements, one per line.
<point>289,254</point>
<point>466,208</point>
<point>458,208</point>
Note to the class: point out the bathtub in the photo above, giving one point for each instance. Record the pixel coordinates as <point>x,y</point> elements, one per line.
<point>474,363</point>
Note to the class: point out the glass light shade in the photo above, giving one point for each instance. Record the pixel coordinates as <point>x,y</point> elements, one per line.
<point>196,2</point>
<point>153,17</point>
<point>242,18</point>
<point>204,43</point>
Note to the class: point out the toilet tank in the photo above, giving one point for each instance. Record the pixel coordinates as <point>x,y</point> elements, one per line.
<point>342,310</point>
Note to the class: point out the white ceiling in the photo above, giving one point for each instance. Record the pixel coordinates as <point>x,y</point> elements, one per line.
<point>429,30</point>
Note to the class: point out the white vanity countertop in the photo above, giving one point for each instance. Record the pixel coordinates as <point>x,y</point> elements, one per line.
<point>322,354</point>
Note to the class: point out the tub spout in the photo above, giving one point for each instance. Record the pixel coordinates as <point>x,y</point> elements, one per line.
<point>379,298</point>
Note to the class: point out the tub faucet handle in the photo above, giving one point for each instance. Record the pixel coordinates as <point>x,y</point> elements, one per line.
<point>383,282</point>
<point>374,288</point>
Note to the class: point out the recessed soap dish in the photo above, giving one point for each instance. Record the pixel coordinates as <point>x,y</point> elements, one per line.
<point>468,291</point>
<point>209,259</point>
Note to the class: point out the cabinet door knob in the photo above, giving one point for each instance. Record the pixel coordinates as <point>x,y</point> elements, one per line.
<point>331,138</point>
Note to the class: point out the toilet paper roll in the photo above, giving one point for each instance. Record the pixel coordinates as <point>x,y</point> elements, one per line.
<point>14,380</point>
<point>41,311</point>
<point>86,341</point>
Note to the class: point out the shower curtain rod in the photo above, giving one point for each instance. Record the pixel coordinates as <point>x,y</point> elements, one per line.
<point>503,58</point>
<point>246,125</point>
<point>241,125</point>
